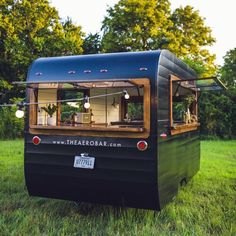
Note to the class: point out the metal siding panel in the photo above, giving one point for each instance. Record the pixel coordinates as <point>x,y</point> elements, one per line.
<point>128,174</point>
<point>118,65</point>
<point>179,155</point>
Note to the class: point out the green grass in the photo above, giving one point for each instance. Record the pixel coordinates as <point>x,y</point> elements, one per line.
<point>206,206</point>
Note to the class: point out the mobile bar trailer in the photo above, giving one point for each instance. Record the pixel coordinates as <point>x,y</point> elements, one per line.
<point>119,129</point>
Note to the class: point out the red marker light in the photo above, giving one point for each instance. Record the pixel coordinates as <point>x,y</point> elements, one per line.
<point>163,135</point>
<point>36,140</point>
<point>142,145</point>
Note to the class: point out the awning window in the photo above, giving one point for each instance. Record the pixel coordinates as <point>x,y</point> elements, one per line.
<point>202,84</point>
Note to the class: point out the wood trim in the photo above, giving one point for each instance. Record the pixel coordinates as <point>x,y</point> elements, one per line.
<point>90,133</point>
<point>89,127</point>
<point>58,106</point>
<point>147,105</point>
<point>196,104</point>
<point>124,132</point>
<point>178,129</point>
<point>142,81</point>
<point>146,101</point>
<point>172,78</point>
<point>32,108</point>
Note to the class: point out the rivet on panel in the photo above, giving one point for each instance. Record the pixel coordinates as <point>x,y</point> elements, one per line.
<point>71,72</point>
<point>103,70</point>
<point>143,69</point>
<point>87,71</point>
<point>38,73</point>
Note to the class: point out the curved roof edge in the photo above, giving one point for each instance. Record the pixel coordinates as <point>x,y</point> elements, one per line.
<point>94,66</point>
<point>105,66</point>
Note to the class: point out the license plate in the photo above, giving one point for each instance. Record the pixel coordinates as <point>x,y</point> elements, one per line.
<point>84,162</point>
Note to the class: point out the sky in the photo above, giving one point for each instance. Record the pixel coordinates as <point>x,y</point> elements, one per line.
<point>219,15</point>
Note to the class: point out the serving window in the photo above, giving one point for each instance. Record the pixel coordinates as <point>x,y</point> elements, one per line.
<point>184,94</point>
<point>119,107</point>
<point>183,105</point>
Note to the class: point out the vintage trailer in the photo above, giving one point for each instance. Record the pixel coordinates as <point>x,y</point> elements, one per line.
<point>119,129</point>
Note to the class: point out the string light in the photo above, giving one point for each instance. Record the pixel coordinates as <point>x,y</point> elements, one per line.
<point>126,94</point>
<point>69,100</point>
<point>20,113</point>
<point>86,104</point>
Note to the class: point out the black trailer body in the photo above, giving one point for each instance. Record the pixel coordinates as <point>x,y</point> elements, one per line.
<point>134,166</point>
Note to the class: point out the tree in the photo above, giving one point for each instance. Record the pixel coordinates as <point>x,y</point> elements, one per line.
<point>218,110</point>
<point>191,36</point>
<point>136,25</point>
<point>30,29</point>
<point>228,75</point>
<point>92,44</point>
<point>228,70</point>
<point>148,25</point>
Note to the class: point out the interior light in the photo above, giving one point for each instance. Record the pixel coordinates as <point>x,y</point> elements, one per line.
<point>126,94</point>
<point>86,104</point>
<point>73,104</point>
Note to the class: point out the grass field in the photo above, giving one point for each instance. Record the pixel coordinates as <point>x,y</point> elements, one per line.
<point>206,206</point>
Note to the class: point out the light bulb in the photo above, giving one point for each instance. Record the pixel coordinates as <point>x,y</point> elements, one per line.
<point>86,105</point>
<point>19,114</point>
<point>126,96</point>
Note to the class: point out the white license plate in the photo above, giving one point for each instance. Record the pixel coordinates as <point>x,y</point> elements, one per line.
<point>84,162</point>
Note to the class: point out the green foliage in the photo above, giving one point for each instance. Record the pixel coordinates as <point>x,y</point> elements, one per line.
<point>30,29</point>
<point>50,109</point>
<point>92,44</point>
<point>135,25</point>
<point>10,126</point>
<point>191,36</point>
<point>135,111</point>
<point>216,114</point>
<point>206,206</point>
<point>67,111</point>
<point>188,100</point>
<point>228,71</point>
<point>218,109</point>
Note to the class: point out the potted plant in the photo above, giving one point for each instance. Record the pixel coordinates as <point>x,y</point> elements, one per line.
<point>188,100</point>
<point>50,110</point>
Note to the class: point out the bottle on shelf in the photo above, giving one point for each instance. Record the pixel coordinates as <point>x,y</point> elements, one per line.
<point>92,116</point>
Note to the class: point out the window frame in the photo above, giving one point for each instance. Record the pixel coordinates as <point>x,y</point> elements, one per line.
<point>128,132</point>
<point>180,128</point>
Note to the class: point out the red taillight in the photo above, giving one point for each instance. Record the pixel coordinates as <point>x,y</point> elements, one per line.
<point>142,145</point>
<point>36,140</point>
<point>163,135</point>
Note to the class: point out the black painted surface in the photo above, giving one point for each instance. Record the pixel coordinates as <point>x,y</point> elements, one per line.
<point>122,175</point>
<point>178,155</point>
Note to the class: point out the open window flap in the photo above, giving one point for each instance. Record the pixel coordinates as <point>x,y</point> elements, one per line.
<point>202,84</point>
<point>83,84</point>
<point>209,84</point>
<point>78,84</point>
